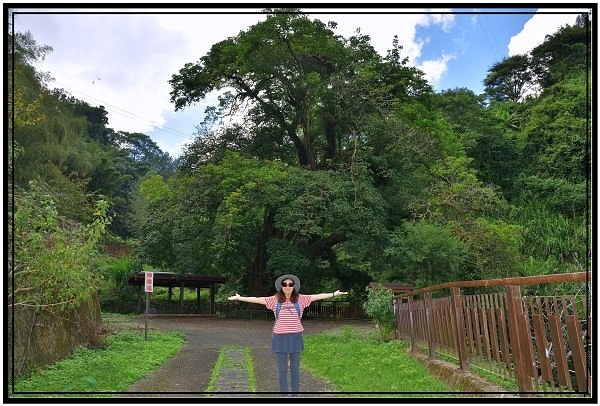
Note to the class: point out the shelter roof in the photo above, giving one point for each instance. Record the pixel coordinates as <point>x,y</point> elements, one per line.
<point>397,288</point>
<point>170,279</point>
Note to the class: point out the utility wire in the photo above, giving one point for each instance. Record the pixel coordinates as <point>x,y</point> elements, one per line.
<point>128,114</point>
<point>490,37</point>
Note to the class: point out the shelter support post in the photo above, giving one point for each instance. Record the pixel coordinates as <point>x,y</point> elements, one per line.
<point>181,293</point>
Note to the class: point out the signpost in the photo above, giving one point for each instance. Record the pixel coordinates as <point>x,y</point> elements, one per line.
<point>148,288</point>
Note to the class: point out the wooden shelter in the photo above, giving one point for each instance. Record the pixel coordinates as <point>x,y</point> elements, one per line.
<point>171,280</point>
<point>398,288</point>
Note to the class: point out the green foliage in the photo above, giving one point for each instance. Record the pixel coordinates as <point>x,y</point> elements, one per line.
<point>456,193</point>
<point>564,53</point>
<point>379,307</point>
<point>154,188</point>
<point>114,293</point>
<point>552,242</point>
<point>284,255</point>
<point>563,197</point>
<point>425,254</point>
<point>214,219</point>
<point>511,79</point>
<point>65,143</point>
<point>487,135</point>
<point>556,134</point>
<point>52,258</point>
<point>55,140</point>
<point>152,220</point>
<point>302,56</point>
<point>319,87</point>
<point>430,123</point>
<point>493,249</point>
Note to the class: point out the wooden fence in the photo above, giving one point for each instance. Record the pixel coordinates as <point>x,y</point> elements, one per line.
<point>543,343</point>
<point>118,250</point>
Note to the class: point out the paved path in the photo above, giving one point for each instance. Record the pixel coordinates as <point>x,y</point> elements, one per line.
<point>233,376</point>
<point>188,373</point>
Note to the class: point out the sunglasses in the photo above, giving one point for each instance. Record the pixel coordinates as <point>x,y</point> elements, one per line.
<point>286,284</point>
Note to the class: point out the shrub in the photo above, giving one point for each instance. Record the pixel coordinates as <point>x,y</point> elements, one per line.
<point>379,308</point>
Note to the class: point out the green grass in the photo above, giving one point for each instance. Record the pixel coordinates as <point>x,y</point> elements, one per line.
<point>127,358</point>
<point>352,360</point>
<point>250,367</point>
<point>358,362</point>
<point>217,368</point>
<point>509,384</point>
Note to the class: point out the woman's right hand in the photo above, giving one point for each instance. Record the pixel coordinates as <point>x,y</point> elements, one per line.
<point>234,297</point>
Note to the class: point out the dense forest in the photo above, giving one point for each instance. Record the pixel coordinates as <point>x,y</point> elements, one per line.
<point>342,166</point>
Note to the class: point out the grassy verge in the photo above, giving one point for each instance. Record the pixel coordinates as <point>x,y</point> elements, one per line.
<point>250,368</point>
<point>357,362</point>
<point>217,368</point>
<point>127,358</point>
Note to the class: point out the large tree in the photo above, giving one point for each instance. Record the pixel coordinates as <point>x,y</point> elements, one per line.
<point>279,66</point>
<point>295,82</point>
<point>511,79</point>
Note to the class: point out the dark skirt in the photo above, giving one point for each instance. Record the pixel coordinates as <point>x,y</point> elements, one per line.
<point>287,343</point>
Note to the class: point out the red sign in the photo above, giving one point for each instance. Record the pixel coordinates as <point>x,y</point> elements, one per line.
<point>149,281</point>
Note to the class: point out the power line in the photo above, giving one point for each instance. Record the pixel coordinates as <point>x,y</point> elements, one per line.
<point>128,114</point>
<point>490,37</point>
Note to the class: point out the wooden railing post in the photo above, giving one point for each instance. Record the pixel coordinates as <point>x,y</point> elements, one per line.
<point>459,327</point>
<point>428,326</point>
<point>518,332</point>
<point>413,343</point>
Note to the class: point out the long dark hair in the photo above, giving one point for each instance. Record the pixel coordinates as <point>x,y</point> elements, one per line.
<point>293,297</point>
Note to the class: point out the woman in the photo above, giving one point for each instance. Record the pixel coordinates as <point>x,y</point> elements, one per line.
<point>288,306</point>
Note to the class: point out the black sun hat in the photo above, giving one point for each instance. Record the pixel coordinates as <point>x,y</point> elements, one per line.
<point>288,276</point>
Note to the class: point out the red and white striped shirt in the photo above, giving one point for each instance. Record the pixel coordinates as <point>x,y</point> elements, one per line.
<point>288,321</point>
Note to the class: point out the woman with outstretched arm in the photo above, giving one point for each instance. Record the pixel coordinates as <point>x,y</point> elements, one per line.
<point>287,343</point>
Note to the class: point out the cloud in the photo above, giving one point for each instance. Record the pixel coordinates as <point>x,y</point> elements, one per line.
<point>441,17</point>
<point>434,69</point>
<point>535,30</point>
<point>381,28</point>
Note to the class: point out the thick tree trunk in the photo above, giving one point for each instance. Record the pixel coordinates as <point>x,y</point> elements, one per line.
<point>321,247</point>
<point>258,279</point>
<point>331,150</point>
<point>300,147</point>
<point>310,156</point>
